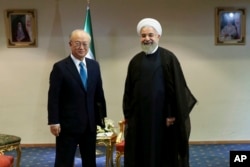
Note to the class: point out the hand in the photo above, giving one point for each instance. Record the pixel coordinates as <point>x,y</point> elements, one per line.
<point>55,129</point>
<point>170,121</point>
<point>125,121</point>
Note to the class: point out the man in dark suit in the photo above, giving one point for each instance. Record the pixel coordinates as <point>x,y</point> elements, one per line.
<point>74,109</point>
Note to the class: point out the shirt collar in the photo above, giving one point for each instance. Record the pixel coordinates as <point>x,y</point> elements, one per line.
<point>76,61</point>
<point>155,49</point>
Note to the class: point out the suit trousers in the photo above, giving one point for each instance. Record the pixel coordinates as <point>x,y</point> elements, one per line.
<point>67,143</point>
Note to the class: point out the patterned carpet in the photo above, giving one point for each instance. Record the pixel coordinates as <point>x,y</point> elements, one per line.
<point>212,155</point>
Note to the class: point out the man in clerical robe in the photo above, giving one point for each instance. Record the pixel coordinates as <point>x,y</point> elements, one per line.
<point>156,105</point>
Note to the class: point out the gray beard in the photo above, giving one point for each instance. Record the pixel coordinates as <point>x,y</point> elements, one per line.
<point>148,49</point>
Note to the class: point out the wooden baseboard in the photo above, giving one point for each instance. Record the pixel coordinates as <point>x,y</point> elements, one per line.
<point>191,142</point>
<point>221,142</point>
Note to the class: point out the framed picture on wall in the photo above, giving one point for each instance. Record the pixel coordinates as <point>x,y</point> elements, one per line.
<point>21,27</point>
<point>230,26</point>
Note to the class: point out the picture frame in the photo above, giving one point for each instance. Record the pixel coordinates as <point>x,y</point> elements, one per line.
<point>21,27</point>
<point>230,26</point>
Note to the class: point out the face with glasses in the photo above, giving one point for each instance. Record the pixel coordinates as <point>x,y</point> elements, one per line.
<point>79,44</point>
<point>149,39</point>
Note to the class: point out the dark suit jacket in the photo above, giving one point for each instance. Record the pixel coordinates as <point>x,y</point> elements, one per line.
<point>69,104</point>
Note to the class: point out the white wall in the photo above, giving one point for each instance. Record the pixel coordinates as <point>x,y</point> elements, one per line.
<point>217,75</point>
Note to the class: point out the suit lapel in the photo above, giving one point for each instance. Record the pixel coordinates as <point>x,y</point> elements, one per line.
<point>70,65</point>
<point>90,70</point>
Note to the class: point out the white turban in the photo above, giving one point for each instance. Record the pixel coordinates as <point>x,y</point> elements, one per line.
<point>149,22</point>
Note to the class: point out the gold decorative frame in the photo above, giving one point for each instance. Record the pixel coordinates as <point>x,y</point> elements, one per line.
<point>26,34</point>
<point>230,26</point>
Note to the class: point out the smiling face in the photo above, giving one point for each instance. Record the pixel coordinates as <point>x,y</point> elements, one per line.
<point>149,39</point>
<point>79,44</point>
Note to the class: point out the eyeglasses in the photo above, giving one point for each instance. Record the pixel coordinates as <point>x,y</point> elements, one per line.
<point>78,44</point>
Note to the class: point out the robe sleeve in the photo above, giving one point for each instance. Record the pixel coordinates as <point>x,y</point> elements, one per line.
<point>184,100</point>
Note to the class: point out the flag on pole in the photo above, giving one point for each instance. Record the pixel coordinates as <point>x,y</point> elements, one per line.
<point>88,29</point>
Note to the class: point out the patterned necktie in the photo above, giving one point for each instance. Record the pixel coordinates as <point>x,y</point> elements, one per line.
<point>83,74</point>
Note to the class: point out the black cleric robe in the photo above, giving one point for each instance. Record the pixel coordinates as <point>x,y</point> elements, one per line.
<point>155,89</point>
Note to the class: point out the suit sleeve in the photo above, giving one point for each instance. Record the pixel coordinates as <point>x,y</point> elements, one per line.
<point>55,81</point>
<point>100,102</point>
